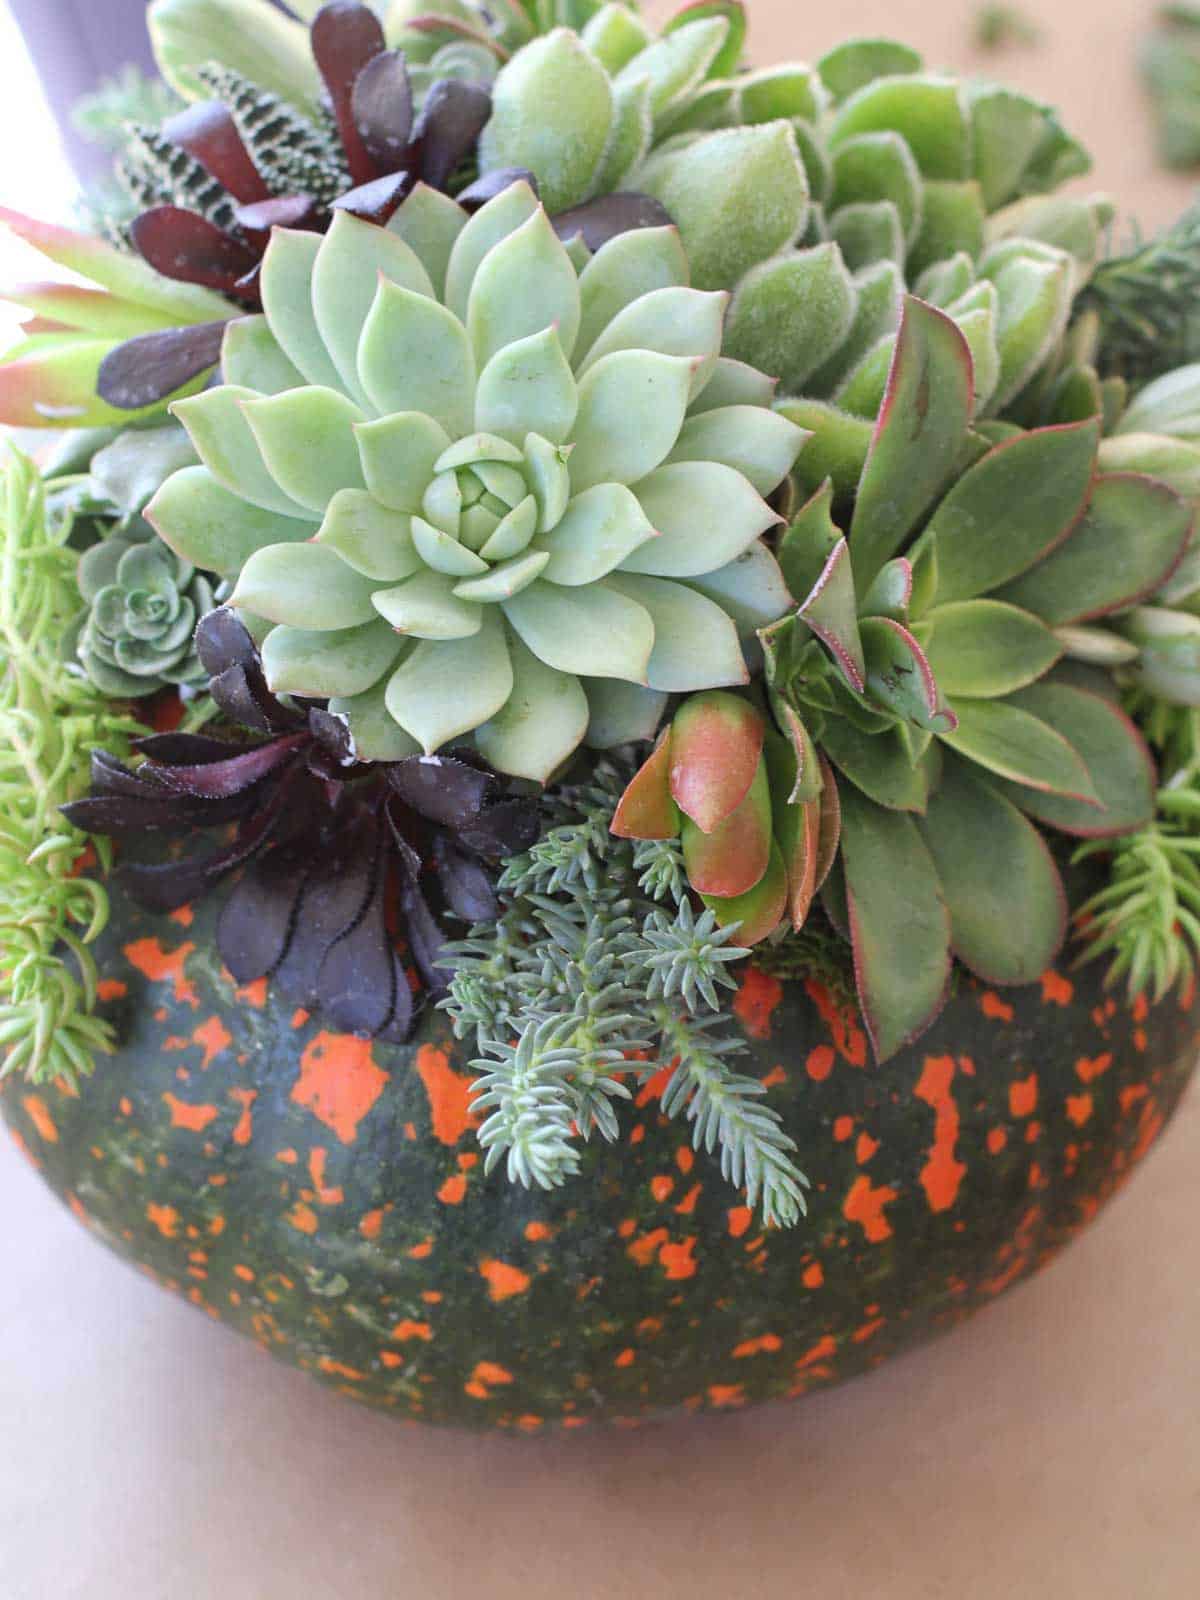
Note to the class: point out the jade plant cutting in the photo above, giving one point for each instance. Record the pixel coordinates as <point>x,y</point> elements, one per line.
<point>631,529</point>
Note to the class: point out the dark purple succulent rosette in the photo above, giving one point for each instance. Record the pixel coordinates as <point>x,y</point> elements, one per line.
<point>336,857</point>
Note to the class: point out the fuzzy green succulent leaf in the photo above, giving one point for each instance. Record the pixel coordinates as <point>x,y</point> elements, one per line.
<point>917,438</point>
<point>1035,297</point>
<point>1120,766</point>
<point>878,291</point>
<point>338,663</point>
<point>219,429</point>
<point>1012,742</point>
<point>899,922</point>
<point>952,220</point>
<point>304,586</point>
<point>614,35</point>
<point>1007,130</point>
<point>849,67</point>
<point>206,524</point>
<point>678,62</point>
<point>1008,909</point>
<point>1175,462</point>
<point>927,111</point>
<point>789,315</point>
<point>879,166</point>
<point>1130,537</point>
<point>868,232</point>
<point>984,649</point>
<point>728,60</point>
<point>838,449</point>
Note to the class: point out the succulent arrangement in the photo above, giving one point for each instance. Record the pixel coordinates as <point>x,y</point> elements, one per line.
<point>622,516</point>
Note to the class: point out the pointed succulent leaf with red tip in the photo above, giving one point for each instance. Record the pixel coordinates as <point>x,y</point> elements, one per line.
<point>646,810</point>
<point>346,38</point>
<point>761,909</point>
<point>716,743</point>
<point>809,541</point>
<point>899,675</point>
<point>829,836</point>
<point>899,923</point>
<point>732,857</point>
<point>831,611</point>
<point>918,437</point>
<point>208,132</point>
<point>796,827</point>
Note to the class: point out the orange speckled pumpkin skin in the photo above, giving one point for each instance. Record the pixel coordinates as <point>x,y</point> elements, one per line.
<point>326,1197</point>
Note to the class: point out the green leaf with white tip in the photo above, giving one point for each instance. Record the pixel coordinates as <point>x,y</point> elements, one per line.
<point>628,267</point>
<point>1174,462</point>
<point>952,221</point>
<point>597,632</point>
<point>252,358</point>
<point>552,107</point>
<point>541,724</point>
<point>415,356</point>
<point>214,529</point>
<point>307,441</point>
<point>759,444</point>
<point>347,661</point>
<point>353,258</point>
<point>728,227</point>
<point>706,516</point>
<point>631,410</point>
<point>399,455</point>
<point>376,734</point>
<point>528,387</point>
<point>217,425</point>
<point>946,281</point>
<point>696,644</point>
<point>426,607</point>
<point>490,224</point>
<point>678,62</point>
<point>286,284</point>
<point>1169,405</point>
<point>304,586</point>
<point>879,166</point>
<point>790,315</point>
<point>369,537</point>
<point>430,222</point>
<point>599,529</point>
<point>524,286</point>
<point>447,687</point>
<point>630,136</point>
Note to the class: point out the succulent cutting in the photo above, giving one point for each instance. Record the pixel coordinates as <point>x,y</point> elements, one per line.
<point>626,521</point>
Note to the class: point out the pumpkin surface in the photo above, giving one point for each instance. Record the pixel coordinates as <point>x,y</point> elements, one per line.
<point>326,1197</point>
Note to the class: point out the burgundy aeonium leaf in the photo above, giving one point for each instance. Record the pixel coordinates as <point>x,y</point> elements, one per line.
<point>152,366</point>
<point>398,1028</point>
<point>256,922</point>
<point>382,104</point>
<point>279,211</point>
<point>208,132</point>
<point>174,883</point>
<point>187,247</point>
<point>223,640</point>
<point>503,829</point>
<point>377,201</point>
<point>611,214</point>
<point>335,897</point>
<point>218,780</point>
<point>455,113</point>
<point>426,940</point>
<point>441,788</point>
<point>185,749</point>
<point>465,883</point>
<point>357,982</point>
<point>346,38</point>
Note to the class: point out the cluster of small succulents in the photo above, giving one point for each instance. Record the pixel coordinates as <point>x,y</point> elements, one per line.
<point>729,471</point>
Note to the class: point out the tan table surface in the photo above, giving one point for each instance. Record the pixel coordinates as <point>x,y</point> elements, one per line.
<point>1050,1449</point>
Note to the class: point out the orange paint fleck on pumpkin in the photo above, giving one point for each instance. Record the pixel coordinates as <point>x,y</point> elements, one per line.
<point>775,1078</point>
<point>38,1113</point>
<point>653,1088</point>
<point>159,965</point>
<point>767,1343</point>
<point>994,1008</point>
<point>244,1273</point>
<point>449,1095</point>
<point>165,1219</point>
<point>868,1330</point>
<point>339,1082</point>
<point>111,989</point>
<point>340,1370</point>
<point>372,1222</point>
<point>688,1204</point>
<point>942,1174</point>
<point>194,1118</point>
<point>678,1260</point>
<point>996,1140</point>
<point>535,1232</point>
<point>245,1126</point>
<point>757,997</point>
<point>1089,1068</point>
<point>644,1250</point>
<point>627,1227</point>
<point>503,1280</point>
<point>1079,1108</point>
<point>865,1205</point>
<point>685,1159</point>
<point>408,1329</point>
<point>626,1358</point>
<point>638,1134</point>
<point>819,1063</point>
<point>328,1196</point>
<point>1023,1096</point>
<point>813,1276</point>
<point>214,1037</point>
<point>842,1023</point>
<point>824,1348</point>
<point>843,1127</point>
<point>661,1187</point>
<point>288,1157</point>
<point>1057,990</point>
<point>184,916</point>
<point>453,1191</point>
<point>253,994</point>
<point>723,1395</point>
<point>740,1218</point>
<point>864,1148</point>
<point>303,1218</point>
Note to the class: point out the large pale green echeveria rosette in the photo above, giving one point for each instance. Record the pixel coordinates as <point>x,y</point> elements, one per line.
<point>478,492</point>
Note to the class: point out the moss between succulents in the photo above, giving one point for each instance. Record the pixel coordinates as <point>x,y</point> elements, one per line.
<point>513,534</point>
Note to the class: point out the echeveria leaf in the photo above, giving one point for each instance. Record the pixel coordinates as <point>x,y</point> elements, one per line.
<point>429,222</point>
<point>304,586</point>
<point>1130,537</point>
<point>621,713</point>
<point>375,733</point>
<point>899,923</point>
<point>695,643</point>
<point>983,649</point>
<point>320,665</point>
<point>398,456</point>
<point>286,283</point>
<point>1011,508</point>
<point>1008,910</point>
<point>446,687</point>
<point>252,357</point>
<point>218,427</point>
<point>353,257</point>
<point>206,524</point>
<point>1012,742</point>
<point>917,438</point>
<point>790,314</point>
<point>675,322</point>
<point>628,267</point>
<point>631,409</point>
<point>306,438</point>
<point>502,215</point>
<point>527,387</point>
<point>426,607</point>
<point>541,723</point>
<point>598,530</point>
<point>733,383</point>
<point>750,589</point>
<point>415,356</point>
<point>760,444</point>
<point>524,286</point>
<point>597,633</point>
<point>369,537</point>
<point>705,514</point>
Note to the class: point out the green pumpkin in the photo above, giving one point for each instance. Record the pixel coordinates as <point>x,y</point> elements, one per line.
<point>325,1196</point>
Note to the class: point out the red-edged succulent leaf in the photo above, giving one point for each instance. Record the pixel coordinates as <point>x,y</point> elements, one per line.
<point>153,366</point>
<point>809,540</point>
<point>830,836</point>
<point>63,307</point>
<point>918,436</point>
<point>797,828</point>
<point>807,785</point>
<point>183,245</point>
<point>1117,757</point>
<point>1127,542</point>
<point>346,38</point>
<point>1006,739</point>
<point>208,132</point>
<point>731,858</point>
<point>608,215</point>
<point>1008,908</point>
<point>831,611</point>
<point>453,116</point>
<point>646,809</point>
<point>899,923</point>
<point>760,910</point>
<point>1011,509</point>
<point>900,677</point>
<point>880,764</point>
<point>382,105</point>
<point>716,743</point>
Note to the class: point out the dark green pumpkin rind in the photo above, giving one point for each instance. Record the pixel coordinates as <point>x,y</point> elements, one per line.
<point>325,1197</point>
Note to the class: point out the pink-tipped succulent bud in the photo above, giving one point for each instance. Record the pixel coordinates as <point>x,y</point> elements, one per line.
<point>646,810</point>
<point>716,746</point>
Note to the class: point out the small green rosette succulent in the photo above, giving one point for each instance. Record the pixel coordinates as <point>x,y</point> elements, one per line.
<point>143,603</point>
<point>467,489</point>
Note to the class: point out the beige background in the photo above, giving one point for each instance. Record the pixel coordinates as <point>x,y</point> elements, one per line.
<point>1051,1449</point>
